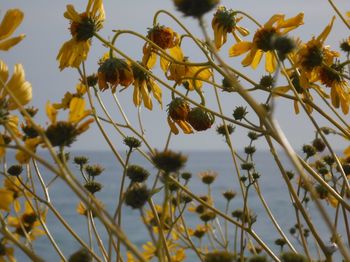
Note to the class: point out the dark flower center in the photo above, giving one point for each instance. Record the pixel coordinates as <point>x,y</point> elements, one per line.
<point>84,30</point>
<point>264,39</point>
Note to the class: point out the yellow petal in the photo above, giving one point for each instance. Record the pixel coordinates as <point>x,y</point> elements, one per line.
<point>257,58</point>
<point>270,62</point>
<point>73,53</point>
<point>243,31</point>
<point>84,126</point>
<point>157,92</point>
<point>217,36</point>
<point>164,64</point>
<point>347,151</point>
<point>10,22</point>
<point>291,23</point>
<point>240,48</point>
<point>72,14</point>
<point>185,127</point>
<point>4,72</point>
<point>12,123</point>
<point>145,96</point>
<point>136,94</point>
<point>176,53</point>
<point>76,110</point>
<point>9,43</point>
<point>335,98</point>
<point>249,57</point>
<point>51,112</point>
<point>20,88</point>
<point>6,197</point>
<point>332,200</point>
<point>280,90</point>
<point>172,126</point>
<point>275,18</point>
<point>151,61</point>
<point>322,37</point>
<point>2,146</point>
<point>31,144</point>
<point>296,107</point>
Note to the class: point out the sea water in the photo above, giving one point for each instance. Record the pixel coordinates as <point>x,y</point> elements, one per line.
<point>272,186</point>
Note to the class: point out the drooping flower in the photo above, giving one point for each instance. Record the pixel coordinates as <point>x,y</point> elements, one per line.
<point>82,28</point>
<point>162,36</point>
<point>113,72</point>
<point>190,76</point>
<point>144,87</point>
<point>178,110</point>
<point>224,22</point>
<point>19,87</point>
<point>263,41</point>
<point>12,19</point>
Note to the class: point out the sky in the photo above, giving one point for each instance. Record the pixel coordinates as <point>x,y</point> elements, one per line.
<point>46,30</point>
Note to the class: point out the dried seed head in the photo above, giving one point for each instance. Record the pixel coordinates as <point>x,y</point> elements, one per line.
<point>169,161</point>
<point>15,170</point>
<point>137,195</point>
<point>137,173</point>
<point>93,186</point>
<point>132,142</point>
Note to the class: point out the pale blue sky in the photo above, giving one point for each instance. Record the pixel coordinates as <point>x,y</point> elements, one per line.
<point>47,29</point>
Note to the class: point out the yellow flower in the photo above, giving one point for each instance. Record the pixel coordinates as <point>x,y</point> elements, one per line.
<point>177,253</point>
<point>83,210</point>
<point>162,36</point>
<point>82,28</point>
<point>263,41</point>
<point>178,110</point>
<point>27,224</point>
<point>12,19</point>
<point>144,86</point>
<point>6,253</point>
<point>64,133</point>
<point>304,92</point>
<point>18,85</point>
<point>224,22</point>
<point>312,55</point>
<point>181,73</point>
<point>14,185</point>
<point>331,77</point>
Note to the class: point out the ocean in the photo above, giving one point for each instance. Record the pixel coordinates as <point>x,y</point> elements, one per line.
<point>271,183</point>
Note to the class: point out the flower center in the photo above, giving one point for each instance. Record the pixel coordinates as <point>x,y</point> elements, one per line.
<point>84,30</point>
<point>330,77</point>
<point>313,57</point>
<point>264,39</point>
<point>226,19</point>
